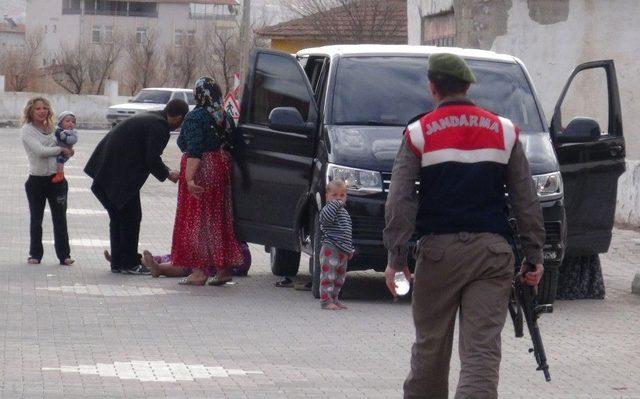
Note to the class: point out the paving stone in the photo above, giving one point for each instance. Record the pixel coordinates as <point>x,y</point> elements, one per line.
<point>140,337</point>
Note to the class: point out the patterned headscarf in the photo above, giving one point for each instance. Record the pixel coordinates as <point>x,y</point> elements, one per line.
<point>209,96</point>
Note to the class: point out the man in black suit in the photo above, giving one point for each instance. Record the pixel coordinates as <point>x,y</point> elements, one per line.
<point>120,165</point>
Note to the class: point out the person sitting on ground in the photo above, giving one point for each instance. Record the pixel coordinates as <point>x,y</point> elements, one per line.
<point>160,265</point>
<point>66,137</point>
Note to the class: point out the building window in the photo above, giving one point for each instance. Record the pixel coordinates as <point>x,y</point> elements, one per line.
<point>212,11</point>
<point>95,34</point>
<point>71,6</point>
<point>178,38</point>
<point>439,29</point>
<point>107,34</point>
<point>55,28</point>
<point>191,38</point>
<point>109,7</point>
<point>140,9</point>
<point>141,35</point>
<point>121,8</point>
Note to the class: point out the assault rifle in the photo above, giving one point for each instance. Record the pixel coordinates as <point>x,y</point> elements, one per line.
<point>523,305</point>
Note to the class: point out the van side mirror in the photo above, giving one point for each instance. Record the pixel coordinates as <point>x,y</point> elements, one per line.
<point>288,119</point>
<point>579,130</point>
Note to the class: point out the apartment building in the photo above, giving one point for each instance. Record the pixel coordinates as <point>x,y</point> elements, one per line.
<point>175,22</point>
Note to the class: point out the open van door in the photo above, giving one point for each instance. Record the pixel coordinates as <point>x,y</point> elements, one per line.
<point>278,123</point>
<point>586,130</point>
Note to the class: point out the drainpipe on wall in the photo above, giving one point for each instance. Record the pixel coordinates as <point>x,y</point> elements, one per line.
<point>111,90</point>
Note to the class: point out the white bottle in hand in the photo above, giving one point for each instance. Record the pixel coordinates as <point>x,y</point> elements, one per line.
<point>402,284</point>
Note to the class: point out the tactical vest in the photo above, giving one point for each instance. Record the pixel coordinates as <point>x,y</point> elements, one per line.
<point>464,152</point>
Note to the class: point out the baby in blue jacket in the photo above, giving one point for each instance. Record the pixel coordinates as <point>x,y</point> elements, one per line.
<point>66,136</point>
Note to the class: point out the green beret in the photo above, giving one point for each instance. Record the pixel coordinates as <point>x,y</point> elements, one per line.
<point>452,65</point>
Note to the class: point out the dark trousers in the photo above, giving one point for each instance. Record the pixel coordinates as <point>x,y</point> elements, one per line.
<point>469,274</point>
<point>124,229</point>
<point>39,190</point>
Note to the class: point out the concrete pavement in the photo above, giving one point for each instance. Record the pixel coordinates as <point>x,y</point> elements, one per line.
<point>82,332</point>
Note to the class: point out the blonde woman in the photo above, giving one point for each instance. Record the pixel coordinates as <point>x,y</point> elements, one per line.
<point>42,150</point>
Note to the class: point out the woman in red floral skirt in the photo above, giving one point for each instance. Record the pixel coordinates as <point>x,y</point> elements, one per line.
<point>203,236</point>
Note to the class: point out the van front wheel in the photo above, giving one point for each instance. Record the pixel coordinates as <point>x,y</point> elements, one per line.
<point>283,262</point>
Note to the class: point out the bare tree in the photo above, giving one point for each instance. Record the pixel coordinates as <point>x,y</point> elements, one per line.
<point>19,64</point>
<point>71,73</point>
<point>187,63</point>
<point>102,59</point>
<point>351,21</point>
<point>84,67</point>
<point>144,61</point>
<point>167,66</point>
<point>221,55</point>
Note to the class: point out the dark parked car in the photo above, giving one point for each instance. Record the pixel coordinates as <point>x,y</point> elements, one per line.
<point>340,111</point>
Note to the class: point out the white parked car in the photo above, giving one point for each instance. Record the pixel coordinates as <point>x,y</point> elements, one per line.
<point>149,99</point>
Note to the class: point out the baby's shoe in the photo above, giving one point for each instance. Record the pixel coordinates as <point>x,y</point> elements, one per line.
<point>57,178</point>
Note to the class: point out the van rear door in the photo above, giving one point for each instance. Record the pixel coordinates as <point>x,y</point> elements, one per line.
<point>278,122</point>
<point>586,130</point>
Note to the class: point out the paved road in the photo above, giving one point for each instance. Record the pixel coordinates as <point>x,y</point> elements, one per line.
<point>82,332</point>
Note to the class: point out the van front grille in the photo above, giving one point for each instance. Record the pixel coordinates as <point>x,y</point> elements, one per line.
<point>553,232</point>
<point>386,182</point>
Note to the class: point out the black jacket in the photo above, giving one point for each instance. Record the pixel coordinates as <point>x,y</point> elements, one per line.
<point>124,158</point>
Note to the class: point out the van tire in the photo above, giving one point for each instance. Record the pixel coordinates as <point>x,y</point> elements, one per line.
<point>284,263</point>
<point>314,259</point>
<point>548,286</point>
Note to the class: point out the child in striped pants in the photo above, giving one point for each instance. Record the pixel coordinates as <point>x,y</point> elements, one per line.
<point>337,245</point>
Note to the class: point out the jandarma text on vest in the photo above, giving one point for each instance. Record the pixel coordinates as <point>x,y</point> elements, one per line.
<point>462,120</point>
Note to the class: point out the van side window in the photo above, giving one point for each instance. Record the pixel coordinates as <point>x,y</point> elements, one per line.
<point>595,105</point>
<point>277,83</point>
<point>314,71</point>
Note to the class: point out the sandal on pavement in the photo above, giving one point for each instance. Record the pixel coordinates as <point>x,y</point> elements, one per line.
<point>33,261</point>
<point>302,286</point>
<point>217,281</point>
<point>186,281</point>
<point>284,283</point>
<point>67,262</point>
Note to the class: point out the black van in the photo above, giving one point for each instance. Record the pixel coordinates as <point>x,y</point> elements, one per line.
<point>340,111</point>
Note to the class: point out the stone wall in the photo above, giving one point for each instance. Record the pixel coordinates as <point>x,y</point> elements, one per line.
<point>90,110</point>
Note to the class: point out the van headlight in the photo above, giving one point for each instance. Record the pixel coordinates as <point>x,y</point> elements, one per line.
<point>358,181</point>
<point>548,185</point>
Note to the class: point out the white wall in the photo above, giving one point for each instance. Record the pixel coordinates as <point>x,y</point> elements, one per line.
<point>90,110</point>
<point>10,40</point>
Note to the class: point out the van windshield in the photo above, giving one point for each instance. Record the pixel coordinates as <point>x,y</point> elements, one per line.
<point>391,90</point>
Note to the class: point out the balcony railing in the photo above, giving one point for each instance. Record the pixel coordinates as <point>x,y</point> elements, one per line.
<point>71,11</point>
<point>219,17</point>
<point>123,13</point>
